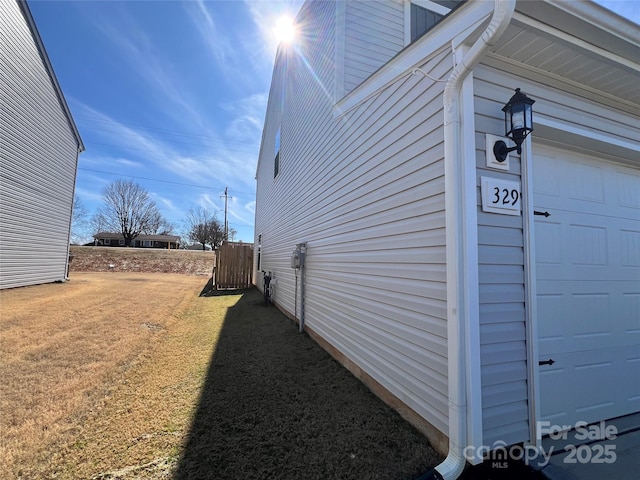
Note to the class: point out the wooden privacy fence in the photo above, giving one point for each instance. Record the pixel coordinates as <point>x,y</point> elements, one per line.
<point>234,266</point>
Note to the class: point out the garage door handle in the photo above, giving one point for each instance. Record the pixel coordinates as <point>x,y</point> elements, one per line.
<point>544,214</point>
<point>546,362</point>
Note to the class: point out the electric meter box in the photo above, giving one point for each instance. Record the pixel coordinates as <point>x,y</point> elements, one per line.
<point>297,257</point>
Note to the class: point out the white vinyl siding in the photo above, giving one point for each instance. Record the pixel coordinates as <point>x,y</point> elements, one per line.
<point>503,351</point>
<point>366,192</point>
<point>374,33</point>
<point>38,158</point>
<point>500,238</point>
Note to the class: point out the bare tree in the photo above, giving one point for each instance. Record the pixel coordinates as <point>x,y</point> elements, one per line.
<point>79,221</point>
<point>129,209</point>
<point>197,225</point>
<point>98,223</point>
<point>232,234</point>
<point>215,234</point>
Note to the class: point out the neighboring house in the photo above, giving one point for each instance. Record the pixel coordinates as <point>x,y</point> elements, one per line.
<point>39,147</point>
<point>141,241</point>
<point>448,310</point>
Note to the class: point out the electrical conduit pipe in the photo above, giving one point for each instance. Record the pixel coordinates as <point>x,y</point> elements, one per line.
<point>454,463</point>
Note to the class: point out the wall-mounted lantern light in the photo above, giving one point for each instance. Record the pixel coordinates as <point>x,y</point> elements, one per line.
<point>518,123</point>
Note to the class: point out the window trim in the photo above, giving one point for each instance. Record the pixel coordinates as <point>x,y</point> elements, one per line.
<point>107,241</point>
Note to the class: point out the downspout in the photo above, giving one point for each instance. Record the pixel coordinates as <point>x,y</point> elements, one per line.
<point>303,261</point>
<point>457,286</point>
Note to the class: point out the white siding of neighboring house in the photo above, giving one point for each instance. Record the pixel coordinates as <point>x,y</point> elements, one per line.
<point>366,192</point>
<point>374,33</point>
<point>38,158</point>
<point>500,238</point>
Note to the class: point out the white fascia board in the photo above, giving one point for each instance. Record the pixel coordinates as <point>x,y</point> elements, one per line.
<point>590,49</point>
<point>604,18</point>
<point>415,54</point>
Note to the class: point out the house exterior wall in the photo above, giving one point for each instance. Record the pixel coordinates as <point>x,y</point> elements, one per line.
<point>362,183</point>
<point>38,155</point>
<point>501,238</point>
<point>365,191</point>
<point>373,34</point>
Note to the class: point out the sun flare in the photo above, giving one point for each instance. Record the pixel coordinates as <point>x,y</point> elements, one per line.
<point>285,29</point>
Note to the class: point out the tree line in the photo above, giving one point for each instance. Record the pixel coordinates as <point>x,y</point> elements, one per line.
<point>128,209</point>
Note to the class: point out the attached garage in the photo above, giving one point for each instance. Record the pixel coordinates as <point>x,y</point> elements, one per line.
<point>587,285</point>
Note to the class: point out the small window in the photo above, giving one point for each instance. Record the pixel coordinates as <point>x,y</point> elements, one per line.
<point>426,14</point>
<point>121,241</point>
<point>147,243</point>
<point>276,161</point>
<point>107,241</point>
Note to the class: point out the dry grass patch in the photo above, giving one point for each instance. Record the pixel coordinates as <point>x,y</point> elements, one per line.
<point>136,376</point>
<point>66,347</point>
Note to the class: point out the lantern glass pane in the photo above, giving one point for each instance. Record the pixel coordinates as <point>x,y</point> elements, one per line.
<point>517,119</point>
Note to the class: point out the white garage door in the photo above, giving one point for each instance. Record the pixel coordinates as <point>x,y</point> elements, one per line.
<point>588,286</point>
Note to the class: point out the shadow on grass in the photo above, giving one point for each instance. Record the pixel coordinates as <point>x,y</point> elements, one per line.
<point>276,406</point>
<point>209,291</point>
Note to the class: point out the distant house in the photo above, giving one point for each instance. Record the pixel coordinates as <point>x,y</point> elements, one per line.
<point>479,297</point>
<point>107,239</point>
<point>39,147</point>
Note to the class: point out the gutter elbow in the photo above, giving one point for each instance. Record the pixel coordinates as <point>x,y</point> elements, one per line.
<point>450,469</point>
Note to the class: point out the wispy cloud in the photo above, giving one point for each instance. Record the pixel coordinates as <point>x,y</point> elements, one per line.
<point>248,117</point>
<point>128,163</point>
<point>149,156</point>
<point>140,54</point>
<point>220,47</point>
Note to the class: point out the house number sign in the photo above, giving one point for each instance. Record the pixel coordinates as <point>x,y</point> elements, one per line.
<point>500,196</point>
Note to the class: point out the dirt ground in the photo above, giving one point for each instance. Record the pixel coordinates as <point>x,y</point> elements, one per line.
<point>152,260</point>
<point>136,375</point>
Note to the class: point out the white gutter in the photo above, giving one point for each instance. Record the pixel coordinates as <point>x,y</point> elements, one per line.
<point>456,239</point>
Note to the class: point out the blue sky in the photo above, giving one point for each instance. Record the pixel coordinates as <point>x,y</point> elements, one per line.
<point>172,94</point>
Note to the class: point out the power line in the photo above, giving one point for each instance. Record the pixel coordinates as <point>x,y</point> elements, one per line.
<point>161,181</point>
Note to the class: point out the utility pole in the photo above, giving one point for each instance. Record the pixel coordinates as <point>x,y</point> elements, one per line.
<point>226,225</point>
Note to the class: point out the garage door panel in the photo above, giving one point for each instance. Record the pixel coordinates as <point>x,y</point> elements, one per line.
<point>630,248</point>
<point>588,286</point>
<point>594,388</point>
<point>597,317</point>
<point>570,243</point>
<point>630,303</point>
<point>628,188</point>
